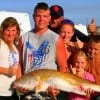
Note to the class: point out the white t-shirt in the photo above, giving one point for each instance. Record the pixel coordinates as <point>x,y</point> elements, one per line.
<point>7,58</point>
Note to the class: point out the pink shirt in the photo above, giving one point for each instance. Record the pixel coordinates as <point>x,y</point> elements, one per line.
<point>73,96</point>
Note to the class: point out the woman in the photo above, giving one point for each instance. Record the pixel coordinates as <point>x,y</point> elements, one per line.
<point>9,58</point>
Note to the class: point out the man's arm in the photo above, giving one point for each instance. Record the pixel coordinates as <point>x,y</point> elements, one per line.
<point>61,56</point>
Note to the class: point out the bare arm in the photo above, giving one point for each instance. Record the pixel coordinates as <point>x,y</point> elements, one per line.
<point>61,55</point>
<point>18,73</point>
<point>8,71</point>
<point>61,59</point>
<point>20,48</point>
<point>3,70</point>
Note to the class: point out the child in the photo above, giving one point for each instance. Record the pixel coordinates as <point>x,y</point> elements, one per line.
<point>80,64</point>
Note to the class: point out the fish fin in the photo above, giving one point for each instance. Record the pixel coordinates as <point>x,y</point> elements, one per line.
<point>19,94</point>
<point>38,87</point>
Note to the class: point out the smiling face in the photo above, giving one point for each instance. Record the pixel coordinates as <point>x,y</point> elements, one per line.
<point>10,34</point>
<point>66,32</point>
<point>79,62</point>
<point>55,21</point>
<point>41,19</point>
<point>94,50</point>
<point>10,30</point>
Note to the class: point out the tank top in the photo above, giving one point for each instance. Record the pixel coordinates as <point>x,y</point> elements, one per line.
<point>39,51</point>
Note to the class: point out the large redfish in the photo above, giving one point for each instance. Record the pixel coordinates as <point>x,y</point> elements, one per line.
<point>39,80</point>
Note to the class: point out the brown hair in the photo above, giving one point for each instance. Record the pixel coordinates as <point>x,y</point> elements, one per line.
<point>41,5</point>
<point>8,22</point>
<point>95,38</point>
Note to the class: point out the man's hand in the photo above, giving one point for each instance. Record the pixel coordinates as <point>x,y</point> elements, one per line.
<point>92,27</point>
<point>52,91</point>
<point>23,90</point>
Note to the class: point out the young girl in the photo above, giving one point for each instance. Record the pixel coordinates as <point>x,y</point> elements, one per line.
<point>79,66</point>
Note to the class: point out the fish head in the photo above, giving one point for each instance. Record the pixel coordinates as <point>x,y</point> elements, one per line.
<point>27,83</point>
<point>32,82</point>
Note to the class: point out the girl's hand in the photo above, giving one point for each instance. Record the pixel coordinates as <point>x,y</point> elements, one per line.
<point>72,69</point>
<point>89,92</point>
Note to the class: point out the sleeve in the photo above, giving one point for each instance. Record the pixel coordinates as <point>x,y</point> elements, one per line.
<point>90,77</point>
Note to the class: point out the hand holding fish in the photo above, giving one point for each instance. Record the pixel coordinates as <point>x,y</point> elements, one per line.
<point>89,92</point>
<point>52,91</point>
<point>41,80</point>
<point>21,89</point>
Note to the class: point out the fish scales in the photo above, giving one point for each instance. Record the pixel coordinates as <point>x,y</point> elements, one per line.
<point>43,78</point>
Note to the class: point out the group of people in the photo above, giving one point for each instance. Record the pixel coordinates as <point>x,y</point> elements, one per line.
<point>53,43</point>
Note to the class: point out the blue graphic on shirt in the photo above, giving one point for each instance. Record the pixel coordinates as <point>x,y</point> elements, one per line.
<point>37,56</point>
<point>13,59</point>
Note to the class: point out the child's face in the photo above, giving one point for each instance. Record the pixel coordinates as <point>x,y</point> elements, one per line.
<point>80,63</point>
<point>94,50</point>
<point>66,32</point>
